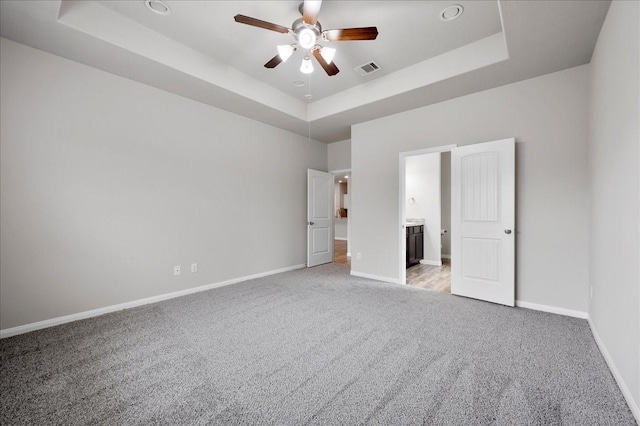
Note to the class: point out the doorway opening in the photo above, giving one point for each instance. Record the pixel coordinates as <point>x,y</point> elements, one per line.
<point>425,213</point>
<point>342,189</point>
<point>482,217</point>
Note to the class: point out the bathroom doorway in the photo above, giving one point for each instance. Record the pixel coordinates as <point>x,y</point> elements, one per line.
<point>482,220</point>
<point>426,218</point>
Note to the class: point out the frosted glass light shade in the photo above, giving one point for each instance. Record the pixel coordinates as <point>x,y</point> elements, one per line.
<point>327,54</point>
<point>307,66</point>
<point>307,38</point>
<point>285,51</point>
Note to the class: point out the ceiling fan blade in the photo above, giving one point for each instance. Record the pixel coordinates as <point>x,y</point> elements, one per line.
<point>274,62</point>
<point>310,11</point>
<point>351,34</point>
<point>330,69</point>
<point>261,24</point>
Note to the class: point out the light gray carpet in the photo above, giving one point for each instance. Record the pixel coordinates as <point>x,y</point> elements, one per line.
<point>311,347</point>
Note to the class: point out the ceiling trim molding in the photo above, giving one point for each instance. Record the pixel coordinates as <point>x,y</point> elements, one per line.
<point>479,54</point>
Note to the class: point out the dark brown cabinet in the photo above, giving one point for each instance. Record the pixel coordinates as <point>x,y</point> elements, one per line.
<point>415,244</point>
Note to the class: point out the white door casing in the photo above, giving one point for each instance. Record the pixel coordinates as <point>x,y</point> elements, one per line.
<point>483,221</point>
<point>320,191</point>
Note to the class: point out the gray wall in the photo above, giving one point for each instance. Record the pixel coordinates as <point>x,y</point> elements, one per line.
<point>614,151</point>
<point>548,117</point>
<point>339,155</point>
<point>107,183</point>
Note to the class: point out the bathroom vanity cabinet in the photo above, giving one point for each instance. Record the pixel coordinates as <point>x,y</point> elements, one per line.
<point>415,244</point>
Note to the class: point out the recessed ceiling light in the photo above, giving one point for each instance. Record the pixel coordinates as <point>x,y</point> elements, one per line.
<point>298,83</point>
<point>339,181</point>
<point>346,177</point>
<point>451,12</point>
<point>158,6</point>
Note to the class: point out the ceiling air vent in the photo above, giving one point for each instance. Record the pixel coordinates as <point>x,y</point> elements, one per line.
<point>367,68</point>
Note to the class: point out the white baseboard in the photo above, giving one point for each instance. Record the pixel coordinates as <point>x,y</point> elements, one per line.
<point>446,256</point>
<point>633,405</point>
<point>340,239</point>
<point>551,309</point>
<point>134,303</point>
<point>431,262</point>
<point>375,277</point>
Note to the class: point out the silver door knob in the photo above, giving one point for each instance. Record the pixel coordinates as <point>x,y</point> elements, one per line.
<point>507,231</point>
<point>311,223</point>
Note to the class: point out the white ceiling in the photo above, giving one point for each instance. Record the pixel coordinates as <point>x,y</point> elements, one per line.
<point>201,53</point>
<point>209,28</point>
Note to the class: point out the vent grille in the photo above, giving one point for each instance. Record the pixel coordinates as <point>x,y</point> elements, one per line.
<point>368,68</point>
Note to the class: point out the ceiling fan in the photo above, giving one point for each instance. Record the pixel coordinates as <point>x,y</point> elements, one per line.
<point>307,31</point>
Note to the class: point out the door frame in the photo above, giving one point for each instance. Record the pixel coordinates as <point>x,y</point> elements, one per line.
<point>334,173</point>
<point>402,195</point>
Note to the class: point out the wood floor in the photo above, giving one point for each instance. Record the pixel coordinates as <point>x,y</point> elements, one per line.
<point>340,252</point>
<point>436,278</point>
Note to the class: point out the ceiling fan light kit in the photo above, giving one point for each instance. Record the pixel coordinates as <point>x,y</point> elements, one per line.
<point>285,51</point>
<point>307,66</point>
<point>307,38</point>
<point>307,31</point>
<point>328,53</point>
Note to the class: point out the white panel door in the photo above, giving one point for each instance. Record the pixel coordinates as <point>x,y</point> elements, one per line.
<point>482,221</point>
<point>320,191</point>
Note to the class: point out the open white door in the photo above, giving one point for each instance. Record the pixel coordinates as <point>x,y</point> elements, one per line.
<point>320,191</point>
<point>482,221</point>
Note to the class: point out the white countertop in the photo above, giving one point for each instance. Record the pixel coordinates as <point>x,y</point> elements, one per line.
<point>411,221</point>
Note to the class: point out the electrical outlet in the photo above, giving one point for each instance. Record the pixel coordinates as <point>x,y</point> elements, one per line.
<point>194,267</point>
<point>358,256</point>
<point>176,270</point>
